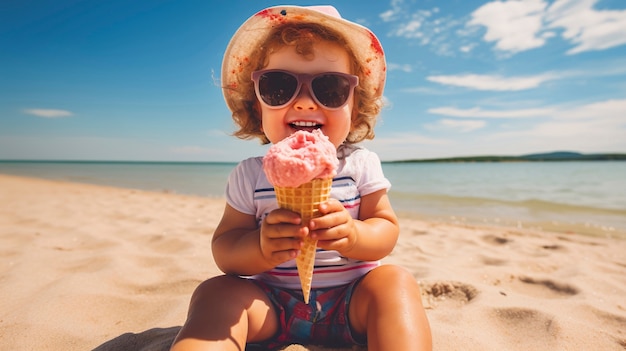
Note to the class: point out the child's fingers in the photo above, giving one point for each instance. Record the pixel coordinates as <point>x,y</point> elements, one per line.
<point>283,230</point>
<point>332,205</point>
<point>282,237</point>
<point>284,256</point>
<point>333,215</point>
<point>283,249</point>
<point>282,216</point>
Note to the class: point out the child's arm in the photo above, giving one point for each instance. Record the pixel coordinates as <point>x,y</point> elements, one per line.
<point>370,238</point>
<point>241,247</point>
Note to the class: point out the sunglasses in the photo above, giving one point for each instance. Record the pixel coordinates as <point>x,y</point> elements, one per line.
<point>277,88</point>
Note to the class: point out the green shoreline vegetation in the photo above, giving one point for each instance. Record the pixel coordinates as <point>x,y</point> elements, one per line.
<point>543,157</point>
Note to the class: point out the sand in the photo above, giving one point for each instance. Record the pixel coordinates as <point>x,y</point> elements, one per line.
<point>86,267</point>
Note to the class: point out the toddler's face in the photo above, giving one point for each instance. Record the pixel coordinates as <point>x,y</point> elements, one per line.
<point>304,112</point>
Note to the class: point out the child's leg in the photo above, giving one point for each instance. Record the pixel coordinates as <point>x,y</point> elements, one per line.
<point>387,306</point>
<point>226,312</point>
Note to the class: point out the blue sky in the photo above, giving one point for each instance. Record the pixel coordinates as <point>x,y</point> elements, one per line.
<point>139,80</point>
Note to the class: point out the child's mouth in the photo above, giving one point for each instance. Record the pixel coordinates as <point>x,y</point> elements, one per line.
<point>308,126</point>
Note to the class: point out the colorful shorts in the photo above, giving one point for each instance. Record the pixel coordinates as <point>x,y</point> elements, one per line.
<point>324,321</point>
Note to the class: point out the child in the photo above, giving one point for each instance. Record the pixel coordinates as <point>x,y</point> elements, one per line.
<point>313,70</point>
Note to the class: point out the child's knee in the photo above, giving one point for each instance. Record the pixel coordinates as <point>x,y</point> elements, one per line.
<point>219,287</point>
<point>393,275</point>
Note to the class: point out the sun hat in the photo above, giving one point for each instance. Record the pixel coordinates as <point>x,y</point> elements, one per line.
<point>254,31</point>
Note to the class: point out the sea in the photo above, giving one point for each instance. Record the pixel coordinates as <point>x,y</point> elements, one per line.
<point>586,197</point>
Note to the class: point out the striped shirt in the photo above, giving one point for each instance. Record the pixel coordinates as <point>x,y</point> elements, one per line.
<point>359,173</point>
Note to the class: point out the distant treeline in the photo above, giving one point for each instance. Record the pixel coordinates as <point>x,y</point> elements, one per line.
<point>545,157</point>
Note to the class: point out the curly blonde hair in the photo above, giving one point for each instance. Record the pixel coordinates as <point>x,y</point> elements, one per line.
<point>246,112</point>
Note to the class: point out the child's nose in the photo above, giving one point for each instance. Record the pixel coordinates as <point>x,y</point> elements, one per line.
<point>304,100</point>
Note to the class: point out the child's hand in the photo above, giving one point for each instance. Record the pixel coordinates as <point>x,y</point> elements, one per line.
<point>281,236</point>
<point>335,229</point>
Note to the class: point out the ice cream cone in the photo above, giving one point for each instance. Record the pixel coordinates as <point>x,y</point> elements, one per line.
<point>305,200</point>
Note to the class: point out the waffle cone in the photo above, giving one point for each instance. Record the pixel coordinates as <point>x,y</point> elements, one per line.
<point>305,200</point>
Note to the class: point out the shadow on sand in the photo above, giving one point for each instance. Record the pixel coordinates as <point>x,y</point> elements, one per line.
<point>160,339</point>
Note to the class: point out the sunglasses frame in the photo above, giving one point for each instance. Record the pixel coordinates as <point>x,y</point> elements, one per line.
<point>301,79</point>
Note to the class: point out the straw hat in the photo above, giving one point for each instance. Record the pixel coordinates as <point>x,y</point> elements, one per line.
<point>253,32</point>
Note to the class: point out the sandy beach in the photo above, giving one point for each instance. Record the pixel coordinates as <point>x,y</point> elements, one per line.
<point>86,267</point>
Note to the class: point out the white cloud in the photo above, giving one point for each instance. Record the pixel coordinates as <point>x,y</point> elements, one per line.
<point>387,16</point>
<point>391,14</point>
<point>462,126</point>
<point>595,127</point>
<point>516,26</point>
<point>608,112</point>
<point>409,30</point>
<point>513,25</point>
<point>587,28</point>
<point>467,48</point>
<point>48,113</point>
<point>477,112</point>
<point>399,67</point>
<point>611,111</point>
<point>426,91</point>
<point>492,82</point>
<point>599,126</point>
<point>363,21</point>
<point>586,134</point>
<point>425,26</point>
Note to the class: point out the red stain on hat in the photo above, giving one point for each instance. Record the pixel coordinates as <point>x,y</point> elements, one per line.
<point>267,13</point>
<point>375,44</point>
<point>243,62</point>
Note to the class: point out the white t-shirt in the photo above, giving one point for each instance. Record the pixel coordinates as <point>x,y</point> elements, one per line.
<point>359,173</point>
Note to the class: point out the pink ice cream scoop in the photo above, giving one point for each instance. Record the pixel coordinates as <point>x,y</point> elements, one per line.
<point>300,158</point>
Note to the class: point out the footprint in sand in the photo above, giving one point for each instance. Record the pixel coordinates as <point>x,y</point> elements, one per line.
<point>493,261</point>
<point>496,240</point>
<point>446,292</point>
<point>612,324</point>
<point>545,288</point>
<point>554,247</point>
<point>166,244</point>
<point>533,329</point>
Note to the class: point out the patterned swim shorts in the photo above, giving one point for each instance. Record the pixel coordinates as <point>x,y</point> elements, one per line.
<point>324,321</point>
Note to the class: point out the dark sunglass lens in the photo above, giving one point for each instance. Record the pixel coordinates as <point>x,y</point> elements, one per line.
<point>331,90</point>
<point>277,88</point>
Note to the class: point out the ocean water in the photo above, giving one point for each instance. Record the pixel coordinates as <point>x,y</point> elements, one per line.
<point>582,197</point>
